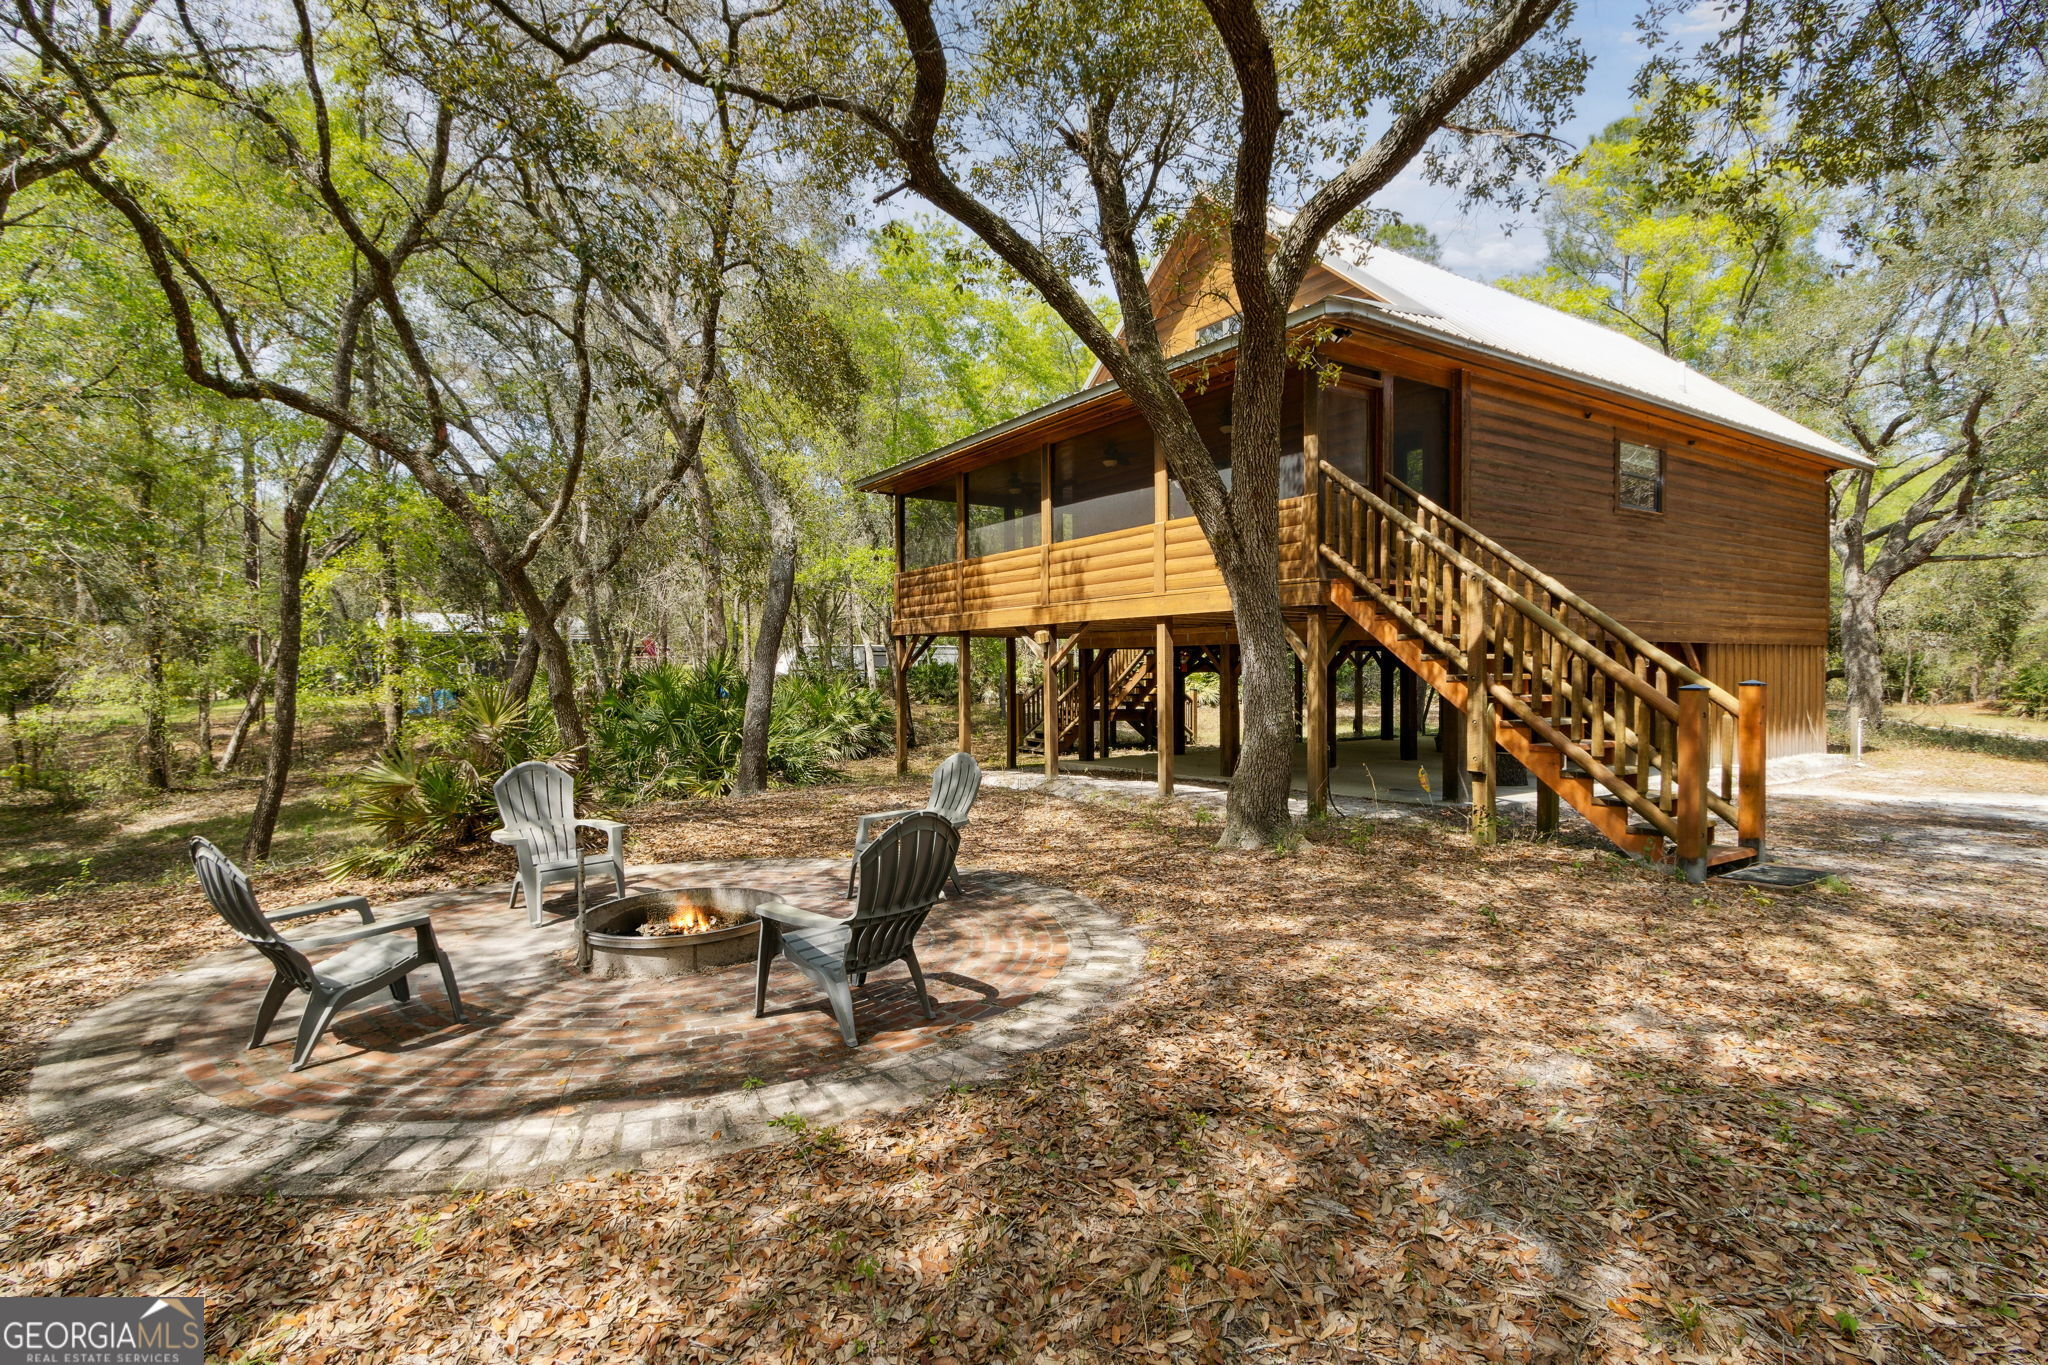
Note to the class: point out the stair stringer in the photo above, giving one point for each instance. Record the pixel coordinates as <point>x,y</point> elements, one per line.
<point>1544,763</point>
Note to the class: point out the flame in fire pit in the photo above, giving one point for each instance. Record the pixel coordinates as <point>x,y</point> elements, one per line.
<point>683,919</point>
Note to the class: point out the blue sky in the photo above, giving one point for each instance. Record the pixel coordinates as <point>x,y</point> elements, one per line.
<point>1490,241</point>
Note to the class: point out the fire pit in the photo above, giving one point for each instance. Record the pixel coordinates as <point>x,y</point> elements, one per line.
<point>672,933</point>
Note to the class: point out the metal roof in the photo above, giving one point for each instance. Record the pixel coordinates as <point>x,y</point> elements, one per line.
<point>1407,295</point>
<point>1433,299</point>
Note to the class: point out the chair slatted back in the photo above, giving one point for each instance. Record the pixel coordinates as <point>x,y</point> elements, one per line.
<point>955,784</point>
<point>539,801</point>
<point>901,876</point>
<point>228,891</point>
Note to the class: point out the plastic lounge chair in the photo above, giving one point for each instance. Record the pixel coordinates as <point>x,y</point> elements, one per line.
<point>901,875</point>
<point>377,954</point>
<point>955,784</point>
<point>537,802</point>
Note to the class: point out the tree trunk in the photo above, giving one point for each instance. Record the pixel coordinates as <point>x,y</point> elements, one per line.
<point>1862,646</point>
<point>782,545</point>
<point>277,768</point>
<point>284,710</point>
<point>390,708</point>
<point>712,563</point>
<point>239,736</point>
<point>252,580</point>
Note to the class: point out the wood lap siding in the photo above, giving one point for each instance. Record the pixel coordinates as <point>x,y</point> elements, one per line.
<point>1795,705</point>
<point>1739,553</point>
<point>1000,580</point>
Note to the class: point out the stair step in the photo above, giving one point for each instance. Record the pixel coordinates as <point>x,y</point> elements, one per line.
<point>1728,858</point>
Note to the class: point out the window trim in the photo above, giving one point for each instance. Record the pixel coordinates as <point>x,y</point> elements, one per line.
<point>1663,476</point>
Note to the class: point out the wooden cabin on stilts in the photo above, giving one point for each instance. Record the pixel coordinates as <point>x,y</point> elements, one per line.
<point>1543,553</point>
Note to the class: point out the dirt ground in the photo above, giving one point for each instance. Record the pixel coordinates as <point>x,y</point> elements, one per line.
<point>1381,1096</point>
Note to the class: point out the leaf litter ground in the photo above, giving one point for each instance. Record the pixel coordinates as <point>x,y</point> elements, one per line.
<point>1381,1096</point>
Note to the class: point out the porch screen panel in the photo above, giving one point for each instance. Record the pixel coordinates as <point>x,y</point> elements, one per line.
<point>1345,443</point>
<point>1102,481</point>
<point>1002,507</point>
<point>929,530</point>
<point>1213,418</point>
<point>1422,439</point>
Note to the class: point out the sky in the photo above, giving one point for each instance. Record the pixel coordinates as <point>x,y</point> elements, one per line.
<point>1492,241</point>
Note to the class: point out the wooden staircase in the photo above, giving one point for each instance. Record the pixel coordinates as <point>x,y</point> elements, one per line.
<point>1654,754</point>
<point>1132,694</point>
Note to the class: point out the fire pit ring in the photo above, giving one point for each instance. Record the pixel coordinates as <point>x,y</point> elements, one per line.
<point>612,944</point>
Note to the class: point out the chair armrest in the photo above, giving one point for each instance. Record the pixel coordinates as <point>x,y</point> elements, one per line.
<point>868,822</point>
<point>514,837</point>
<point>606,825</point>
<point>791,917</point>
<point>361,931</point>
<point>359,904</point>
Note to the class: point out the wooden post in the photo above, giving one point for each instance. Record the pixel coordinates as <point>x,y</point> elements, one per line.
<point>1316,672</point>
<point>1226,712</point>
<point>1180,702</point>
<point>1691,811</point>
<point>899,690</point>
<point>1387,665</point>
<point>1358,693</point>
<point>1750,737</point>
<point>1010,701</point>
<point>1411,720</point>
<point>1086,697</point>
<point>1050,688</point>
<point>1450,734</point>
<point>1478,713</point>
<point>1546,809</point>
<point>964,694</point>
<point>1107,745</point>
<point>1169,715</point>
<point>1300,697</point>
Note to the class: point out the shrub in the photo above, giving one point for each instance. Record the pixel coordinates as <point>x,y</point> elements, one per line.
<point>675,731</point>
<point>438,792</point>
<point>933,682</point>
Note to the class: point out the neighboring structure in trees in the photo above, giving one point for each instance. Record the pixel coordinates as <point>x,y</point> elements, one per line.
<point>1459,465</point>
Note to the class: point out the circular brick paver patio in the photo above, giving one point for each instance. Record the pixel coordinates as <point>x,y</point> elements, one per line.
<point>556,1073</point>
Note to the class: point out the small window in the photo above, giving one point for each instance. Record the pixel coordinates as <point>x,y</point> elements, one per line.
<point>1217,330</point>
<point>1639,477</point>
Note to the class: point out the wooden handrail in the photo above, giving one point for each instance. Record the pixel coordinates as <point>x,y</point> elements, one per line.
<point>1664,659</point>
<point>1502,590</point>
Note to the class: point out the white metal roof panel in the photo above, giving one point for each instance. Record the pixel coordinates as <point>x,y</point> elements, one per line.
<point>1433,298</point>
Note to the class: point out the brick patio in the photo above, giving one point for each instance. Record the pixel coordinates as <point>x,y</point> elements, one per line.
<point>556,1073</point>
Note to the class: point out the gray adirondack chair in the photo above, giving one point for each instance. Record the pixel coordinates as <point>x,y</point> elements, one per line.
<point>955,784</point>
<point>537,802</point>
<point>901,874</point>
<point>377,954</point>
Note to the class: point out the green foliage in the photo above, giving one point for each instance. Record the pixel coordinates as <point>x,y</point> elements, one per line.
<point>1691,278</point>
<point>675,730</point>
<point>933,682</point>
<point>438,792</point>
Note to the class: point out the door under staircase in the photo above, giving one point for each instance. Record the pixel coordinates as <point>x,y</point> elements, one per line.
<point>1658,757</point>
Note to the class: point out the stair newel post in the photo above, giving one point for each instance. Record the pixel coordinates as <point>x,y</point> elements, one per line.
<point>1692,778</point>
<point>1478,711</point>
<point>1749,811</point>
